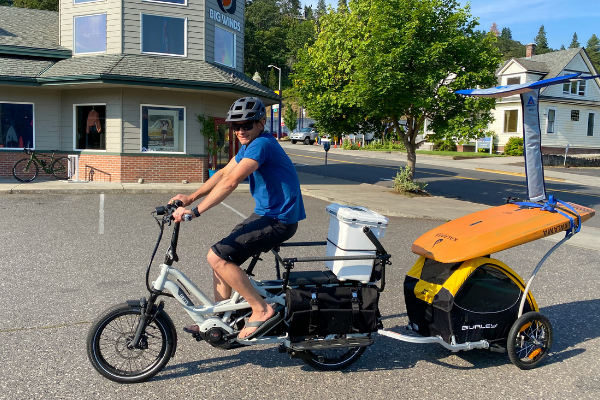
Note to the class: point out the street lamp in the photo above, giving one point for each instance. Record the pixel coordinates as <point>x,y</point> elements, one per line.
<point>279,124</point>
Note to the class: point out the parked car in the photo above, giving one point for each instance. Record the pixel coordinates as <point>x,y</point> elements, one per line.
<point>304,135</point>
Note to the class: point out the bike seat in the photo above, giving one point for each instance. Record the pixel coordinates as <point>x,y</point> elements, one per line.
<point>302,278</point>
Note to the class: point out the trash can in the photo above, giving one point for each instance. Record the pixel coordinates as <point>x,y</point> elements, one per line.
<point>346,238</point>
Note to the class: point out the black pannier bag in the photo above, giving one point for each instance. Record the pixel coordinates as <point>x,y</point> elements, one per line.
<point>319,311</point>
<point>472,300</point>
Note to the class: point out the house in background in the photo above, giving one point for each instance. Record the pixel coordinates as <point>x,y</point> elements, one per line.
<point>120,83</point>
<point>569,113</point>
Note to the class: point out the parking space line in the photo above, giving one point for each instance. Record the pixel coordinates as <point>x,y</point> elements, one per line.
<point>101,216</point>
<point>234,210</point>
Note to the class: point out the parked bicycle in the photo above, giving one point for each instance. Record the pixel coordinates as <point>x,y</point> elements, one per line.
<point>27,169</point>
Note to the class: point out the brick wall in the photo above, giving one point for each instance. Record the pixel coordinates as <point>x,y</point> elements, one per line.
<point>8,160</point>
<point>114,168</point>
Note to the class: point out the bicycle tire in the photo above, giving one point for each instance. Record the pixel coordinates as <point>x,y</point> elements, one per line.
<point>60,168</point>
<point>110,334</point>
<point>24,172</point>
<point>333,359</point>
<point>529,340</point>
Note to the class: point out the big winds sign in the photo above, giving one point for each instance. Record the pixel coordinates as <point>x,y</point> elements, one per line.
<point>227,7</point>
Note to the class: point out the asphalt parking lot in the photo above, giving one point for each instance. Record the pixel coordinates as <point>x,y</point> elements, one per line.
<point>62,265</point>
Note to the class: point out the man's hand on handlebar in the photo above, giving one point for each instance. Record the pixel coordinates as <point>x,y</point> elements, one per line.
<point>182,213</point>
<point>184,199</point>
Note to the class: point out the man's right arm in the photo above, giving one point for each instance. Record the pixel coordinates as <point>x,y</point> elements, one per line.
<point>208,186</point>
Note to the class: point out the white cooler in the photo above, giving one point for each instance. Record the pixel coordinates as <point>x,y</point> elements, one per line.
<point>346,238</point>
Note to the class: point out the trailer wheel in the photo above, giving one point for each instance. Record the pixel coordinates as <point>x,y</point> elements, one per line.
<point>529,340</point>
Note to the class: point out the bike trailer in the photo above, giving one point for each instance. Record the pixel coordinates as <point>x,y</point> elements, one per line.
<point>472,300</point>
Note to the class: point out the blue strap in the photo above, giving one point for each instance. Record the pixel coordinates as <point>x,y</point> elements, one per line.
<point>550,206</point>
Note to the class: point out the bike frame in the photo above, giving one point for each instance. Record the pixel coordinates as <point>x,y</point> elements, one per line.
<point>34,159</point>
<point>175,281</point>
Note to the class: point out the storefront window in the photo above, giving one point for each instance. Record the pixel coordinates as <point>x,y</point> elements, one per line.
<point>164,35</point>
<point>163,129</point>
<point>90,34</point>
<point>224,47</point>
<point>16,126</point>
<point>90,127</point>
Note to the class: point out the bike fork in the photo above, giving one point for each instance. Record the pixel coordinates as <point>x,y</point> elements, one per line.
<point>146,318</point>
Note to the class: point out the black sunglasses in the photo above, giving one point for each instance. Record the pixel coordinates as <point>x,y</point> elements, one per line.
<point>246,126</point>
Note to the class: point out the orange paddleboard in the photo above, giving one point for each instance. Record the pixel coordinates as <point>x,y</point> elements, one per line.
<point>496,229</point>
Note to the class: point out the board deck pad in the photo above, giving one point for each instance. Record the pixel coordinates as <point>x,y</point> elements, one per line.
<point>492,230</point>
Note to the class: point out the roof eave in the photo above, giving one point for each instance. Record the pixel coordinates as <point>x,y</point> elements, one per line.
<point>159,82</point>
<point>56,54</point>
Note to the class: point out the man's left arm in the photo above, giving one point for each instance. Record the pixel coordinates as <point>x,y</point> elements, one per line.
<point>224,188</point>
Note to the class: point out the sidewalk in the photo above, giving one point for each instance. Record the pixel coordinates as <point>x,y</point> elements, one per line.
<point>375,197</point>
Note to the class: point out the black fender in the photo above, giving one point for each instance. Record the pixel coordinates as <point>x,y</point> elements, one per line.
<point>165,316</point>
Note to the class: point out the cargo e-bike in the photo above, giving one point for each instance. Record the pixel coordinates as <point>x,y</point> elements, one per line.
<point>133,341</point>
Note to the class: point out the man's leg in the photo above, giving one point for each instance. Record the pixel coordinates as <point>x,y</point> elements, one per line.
<point>228,275</point>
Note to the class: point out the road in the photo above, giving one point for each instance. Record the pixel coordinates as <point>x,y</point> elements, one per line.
<point>463,184</point>
<point>65,259</point>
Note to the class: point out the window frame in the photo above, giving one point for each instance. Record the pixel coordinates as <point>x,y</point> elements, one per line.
<point>33,116</point>
<point>504,119</point>
<point>142,105</point>
<point>587,129</point>
<point>166,2</point>
<point>185,36</point>
<point>234,47</point>
<point>553,122</point>
<point>577,84</point>
<point>75,105</point>
<point>75,53</point>
<point>87,1</point>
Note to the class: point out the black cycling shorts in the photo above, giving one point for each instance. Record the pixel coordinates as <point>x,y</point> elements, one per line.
<point>256,234</point>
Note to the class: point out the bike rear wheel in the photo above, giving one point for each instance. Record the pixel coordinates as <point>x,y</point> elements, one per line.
<point>333,359</point>
<point>60,168</point>
<point>109,339</point>
<point>24,171</point>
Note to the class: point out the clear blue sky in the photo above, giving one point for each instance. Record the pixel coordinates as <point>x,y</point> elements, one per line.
<point>524,17</point>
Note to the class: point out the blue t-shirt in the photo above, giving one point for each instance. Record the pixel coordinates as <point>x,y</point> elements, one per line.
<point>274,185</point>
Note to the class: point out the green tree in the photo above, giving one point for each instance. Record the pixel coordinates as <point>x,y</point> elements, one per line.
<point>5,2</point>
<point>290,7</point>
<point>290,117</point>
<point>574,43</point>
<point>510,48</point>
<point>562,47</point>
<point>541,42</point>
<point>593,50</point>
<point>387,60</point>
<point>506,33</point>
<point>342,5</point>
<point>321,8</point>
<point>50,5</point>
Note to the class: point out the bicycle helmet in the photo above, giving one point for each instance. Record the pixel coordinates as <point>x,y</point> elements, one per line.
<point>246,109</point>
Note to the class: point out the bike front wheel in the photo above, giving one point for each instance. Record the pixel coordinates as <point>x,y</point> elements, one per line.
<point>60,168</point>
<point>25,170</point>
<point>109,345</point>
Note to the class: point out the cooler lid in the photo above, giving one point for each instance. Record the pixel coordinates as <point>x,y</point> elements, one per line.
<point>357,215</point>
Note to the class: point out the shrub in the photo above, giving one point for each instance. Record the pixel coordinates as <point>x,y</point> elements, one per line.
<point>386,145</point>
<point>514,146</point>
<point>445,144</point>
<point>349,146</point>
<point>403,183</point>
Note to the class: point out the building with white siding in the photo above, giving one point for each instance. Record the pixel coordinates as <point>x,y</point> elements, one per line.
<point>569,113</point>
<point>120,83</point>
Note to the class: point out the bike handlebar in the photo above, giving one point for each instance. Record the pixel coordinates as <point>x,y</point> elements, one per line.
<point>170,208</point>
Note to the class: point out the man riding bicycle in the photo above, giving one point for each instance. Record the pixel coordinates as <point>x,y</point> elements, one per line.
<point>275,187</point>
